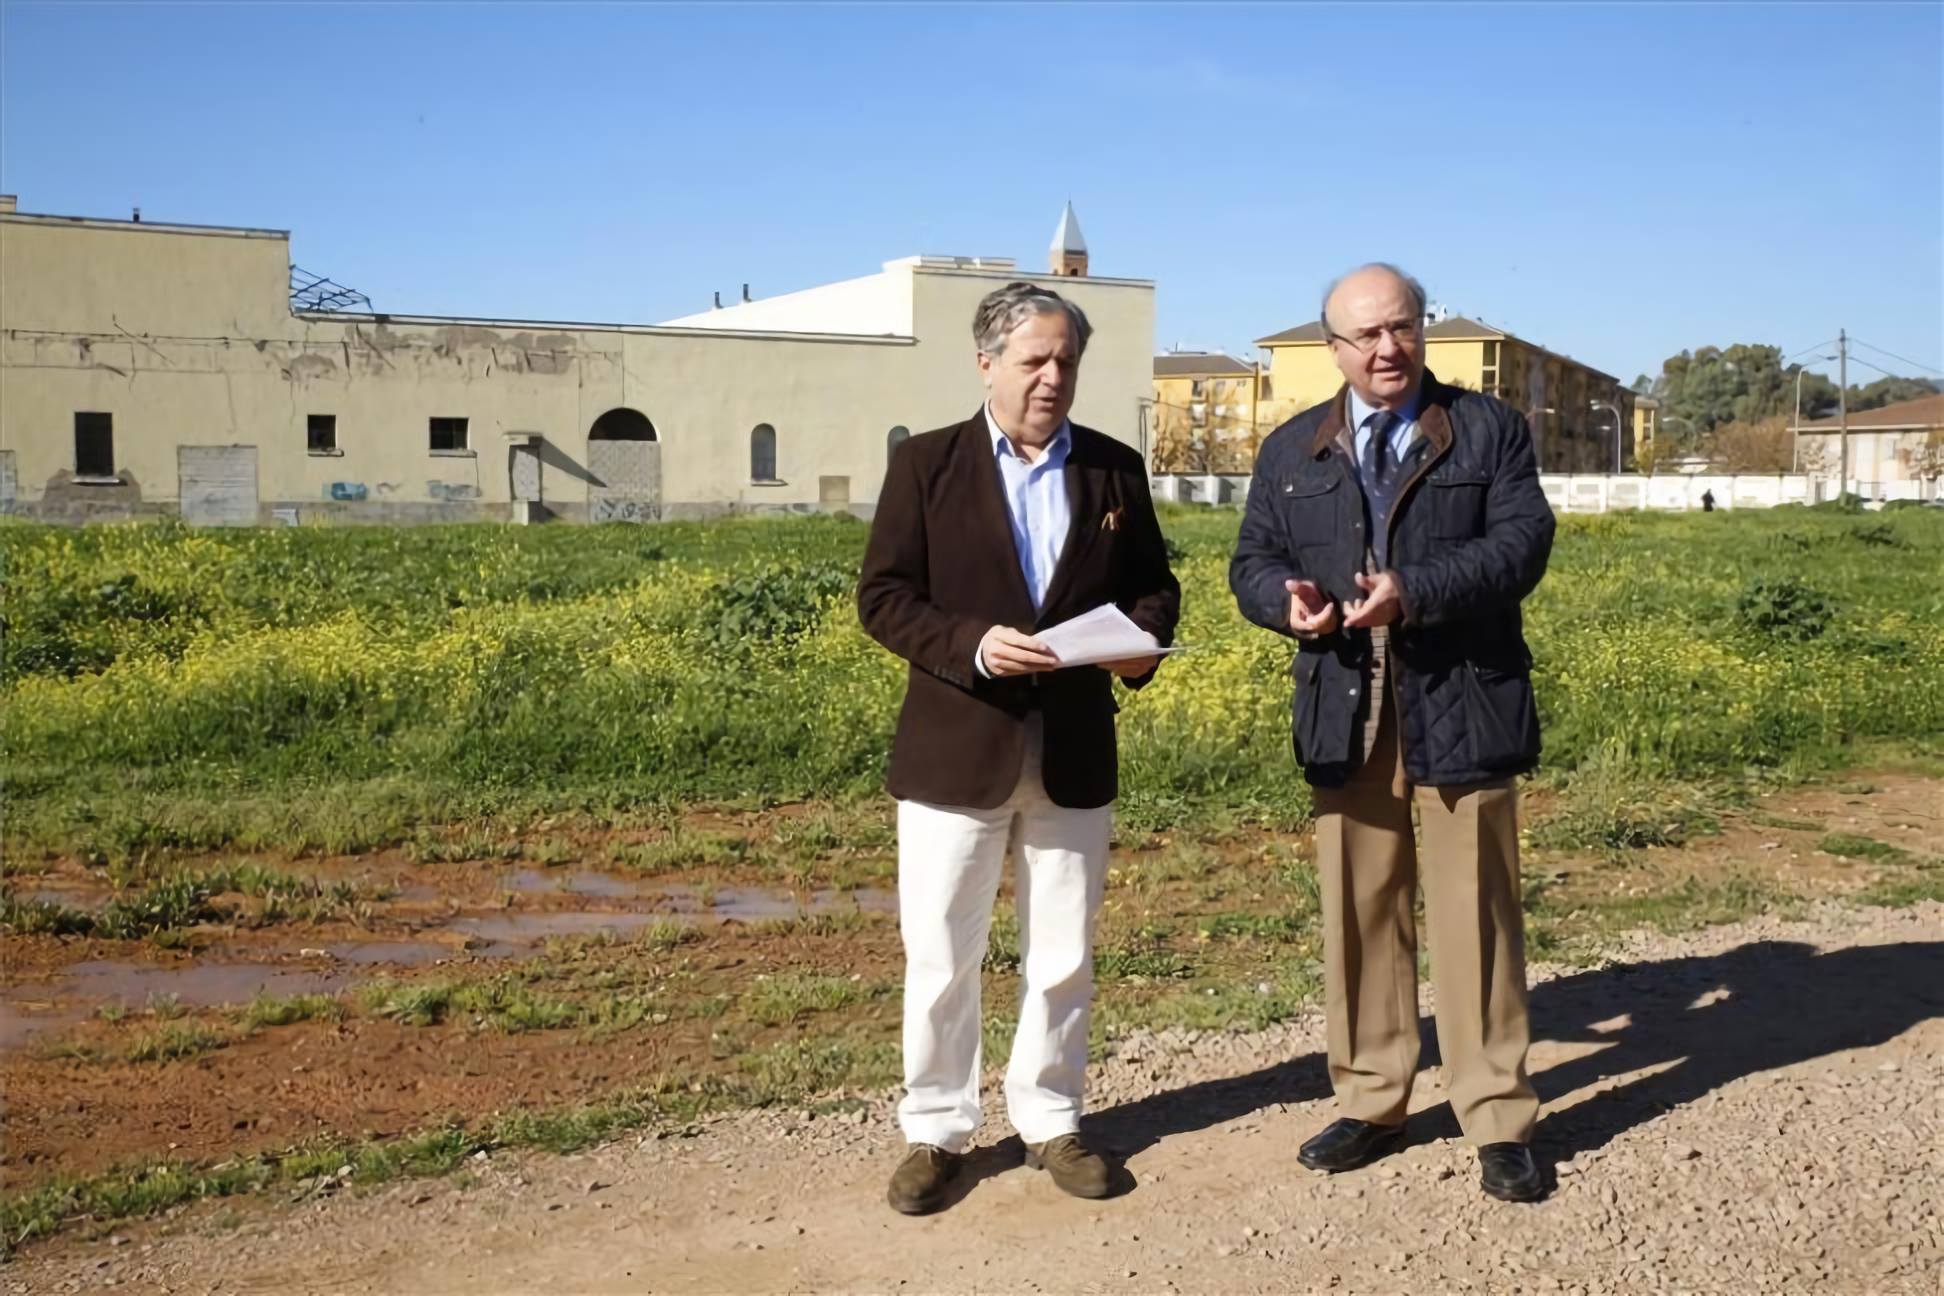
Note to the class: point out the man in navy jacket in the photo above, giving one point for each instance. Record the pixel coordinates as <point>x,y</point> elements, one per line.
<point>1393,531</point>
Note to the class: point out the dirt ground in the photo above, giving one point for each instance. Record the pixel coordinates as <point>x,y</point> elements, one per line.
<point>1755,1107</point>
<point>1632,1057</point>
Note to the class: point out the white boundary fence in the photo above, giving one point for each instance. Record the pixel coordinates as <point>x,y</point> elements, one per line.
<point>1602,492</point>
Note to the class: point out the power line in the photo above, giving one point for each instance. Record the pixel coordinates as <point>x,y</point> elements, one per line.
<point>1806,350</point>
<point>1894,356</point>
<point>1885,372</point>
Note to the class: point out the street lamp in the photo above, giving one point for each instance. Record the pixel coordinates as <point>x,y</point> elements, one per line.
<point>1615,411</point>
<point>1537,424</point>
<point>1795,429</point>
<point>1671,418</point>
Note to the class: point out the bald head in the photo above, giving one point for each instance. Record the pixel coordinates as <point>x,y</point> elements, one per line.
<point>1373,318</point>
<point>1372,276</point>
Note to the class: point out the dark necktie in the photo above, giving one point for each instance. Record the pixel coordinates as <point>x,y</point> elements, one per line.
<point>1381,474</point>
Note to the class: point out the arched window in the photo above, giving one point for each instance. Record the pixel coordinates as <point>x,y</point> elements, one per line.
<point>762,453</point>
<point>622,424</point>
<point>899,435</point>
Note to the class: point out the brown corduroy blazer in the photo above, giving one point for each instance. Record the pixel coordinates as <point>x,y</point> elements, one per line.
<point>940,570</point>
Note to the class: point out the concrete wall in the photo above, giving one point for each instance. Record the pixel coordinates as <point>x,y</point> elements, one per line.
<point>185,338</point>
<point>1602,492</point>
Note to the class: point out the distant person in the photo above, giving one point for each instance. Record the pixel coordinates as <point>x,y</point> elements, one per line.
<point>1393,531</point>
<point>986,532</point>
<point>1707,501</point>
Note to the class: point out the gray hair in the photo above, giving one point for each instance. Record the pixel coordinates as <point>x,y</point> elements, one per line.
<point>1005,309</point>
<point>1411,285</point>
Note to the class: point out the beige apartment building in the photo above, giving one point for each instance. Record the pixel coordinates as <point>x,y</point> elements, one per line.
<point>1896,443</point>
<point>150,368</point>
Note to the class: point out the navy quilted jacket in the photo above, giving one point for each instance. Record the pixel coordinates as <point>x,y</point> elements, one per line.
<point>1469,538</point>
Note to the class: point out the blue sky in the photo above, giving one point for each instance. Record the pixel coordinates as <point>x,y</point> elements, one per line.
<point>1615,182</point>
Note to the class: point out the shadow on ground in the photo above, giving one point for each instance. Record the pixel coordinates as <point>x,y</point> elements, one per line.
<point>1708,1021</point>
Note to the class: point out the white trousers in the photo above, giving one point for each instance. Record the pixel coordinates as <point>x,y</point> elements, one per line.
<point>949,863</point>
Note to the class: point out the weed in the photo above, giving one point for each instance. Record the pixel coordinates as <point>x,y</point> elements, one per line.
<point>266,1010</point>
<point>1852,846</point>
<point>774,1000</point>
<point>174,1042</point>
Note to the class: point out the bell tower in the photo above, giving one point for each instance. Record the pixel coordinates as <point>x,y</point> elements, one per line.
<point>1069,251</point>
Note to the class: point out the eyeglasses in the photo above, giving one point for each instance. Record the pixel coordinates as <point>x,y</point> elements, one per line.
<point>1402,332</point>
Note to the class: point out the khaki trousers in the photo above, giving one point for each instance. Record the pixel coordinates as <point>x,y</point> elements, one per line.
<point>1368,865</point>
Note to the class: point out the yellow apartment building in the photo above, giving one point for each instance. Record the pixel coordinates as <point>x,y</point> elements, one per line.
<point>1204,413</point>
<point>1556,393</point>
<point>1646,425</point>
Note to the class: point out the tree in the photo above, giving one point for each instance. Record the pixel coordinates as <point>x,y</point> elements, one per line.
<point>1763,447</point>
<point>1818,394</point>
<point>1744,383</point>
<point>1656,454</point>
<point>1888,391</point>
<point>1747,383</point>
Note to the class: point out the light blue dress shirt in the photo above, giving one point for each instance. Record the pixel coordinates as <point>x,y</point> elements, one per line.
<point>1036,504</point>
<point>1037,509</point>
<point>1402,434</point>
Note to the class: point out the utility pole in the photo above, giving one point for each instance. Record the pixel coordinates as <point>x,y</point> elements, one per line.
<point>1842,405</point>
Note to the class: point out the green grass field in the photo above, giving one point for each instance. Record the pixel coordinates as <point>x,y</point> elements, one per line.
<point>341,689</point>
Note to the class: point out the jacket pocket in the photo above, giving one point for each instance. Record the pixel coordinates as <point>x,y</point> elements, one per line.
<point>1457,504</point>
<point>1501,718</point>
<point>1308,506</point>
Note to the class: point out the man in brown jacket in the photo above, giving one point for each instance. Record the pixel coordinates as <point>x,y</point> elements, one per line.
<point>985,533</point>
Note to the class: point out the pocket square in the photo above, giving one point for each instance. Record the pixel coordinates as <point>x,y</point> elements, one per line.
<point>1112,520</point>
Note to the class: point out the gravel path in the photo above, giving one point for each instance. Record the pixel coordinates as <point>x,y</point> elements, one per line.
<point>1757,1107</point>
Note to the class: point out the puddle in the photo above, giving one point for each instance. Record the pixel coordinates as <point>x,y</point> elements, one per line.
<point>92,899</point>
<point>73,995</point>
<point>572,882</point>
<point>755,904</point>
<point>406,953</point>
<point>26,1011</point>
<point>513,929</point>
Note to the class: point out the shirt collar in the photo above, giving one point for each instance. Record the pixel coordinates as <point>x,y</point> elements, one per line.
<point>1360,410</point>
<point>1056,449</point>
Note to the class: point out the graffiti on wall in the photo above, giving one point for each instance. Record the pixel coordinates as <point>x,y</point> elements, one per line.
<point>348,491</point>
<point>451,492</point>
<point>620,508</point>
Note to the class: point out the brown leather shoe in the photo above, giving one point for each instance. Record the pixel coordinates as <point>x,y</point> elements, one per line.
<point>1074,1169</point>
<point>918,1184</point>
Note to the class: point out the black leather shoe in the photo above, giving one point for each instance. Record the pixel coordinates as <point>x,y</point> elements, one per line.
<point>1346,1144</point>
<point>1508,1172</point>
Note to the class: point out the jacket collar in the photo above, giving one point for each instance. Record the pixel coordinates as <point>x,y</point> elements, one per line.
<point>1433,415</point>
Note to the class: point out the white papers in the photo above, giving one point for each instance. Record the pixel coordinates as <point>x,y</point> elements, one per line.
<point>1102,635</point>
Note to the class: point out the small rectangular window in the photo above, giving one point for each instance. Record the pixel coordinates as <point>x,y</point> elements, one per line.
<point>94,445</point>
<point>449,434</point>
<point>321,433</point>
